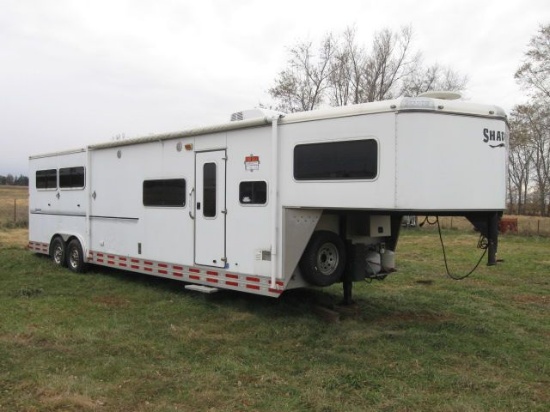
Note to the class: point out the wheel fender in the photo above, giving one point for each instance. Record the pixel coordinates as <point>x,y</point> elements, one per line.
<point>67,236</point>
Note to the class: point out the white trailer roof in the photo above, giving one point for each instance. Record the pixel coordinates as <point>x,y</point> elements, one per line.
<point>396,105</point>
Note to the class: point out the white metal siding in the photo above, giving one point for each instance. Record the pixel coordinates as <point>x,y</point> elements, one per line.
<point>443,163</point>
<point>348,194</point>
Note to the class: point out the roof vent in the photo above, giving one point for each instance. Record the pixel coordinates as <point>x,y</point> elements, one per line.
<point>443,95</point>
<point>254,114</point>
<point>237,116</point>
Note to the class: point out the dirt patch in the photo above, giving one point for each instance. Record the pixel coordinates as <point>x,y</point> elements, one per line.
<point>111,301</point>
<point>70,401</point>
<point>543,300</point>
<point>422,317</point>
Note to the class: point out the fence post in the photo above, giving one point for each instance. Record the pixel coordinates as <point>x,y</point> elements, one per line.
<point>14,210</point>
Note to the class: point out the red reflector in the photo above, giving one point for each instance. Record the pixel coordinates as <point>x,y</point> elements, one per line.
<point>255,287</point>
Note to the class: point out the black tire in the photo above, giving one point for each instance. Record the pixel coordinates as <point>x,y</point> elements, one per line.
<point>58,251</point>
<point>75,257</point>
<point>324,259</point>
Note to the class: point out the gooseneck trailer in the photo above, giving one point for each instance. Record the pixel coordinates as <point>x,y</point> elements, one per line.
<point>270,201</point>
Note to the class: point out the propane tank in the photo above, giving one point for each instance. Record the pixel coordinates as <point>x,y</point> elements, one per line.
<point>388,261</point>
<point>373,263</point>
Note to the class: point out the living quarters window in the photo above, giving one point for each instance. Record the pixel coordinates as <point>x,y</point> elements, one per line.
<point>164,192</point>
<point>209,190</point>
<point>253,193</point>
<point>46,179</point>
<point>71,177</point>
<point>344,160</point>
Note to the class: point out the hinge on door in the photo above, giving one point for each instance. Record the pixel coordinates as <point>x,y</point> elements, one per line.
<point>224,259</point>
<point>224,211</point>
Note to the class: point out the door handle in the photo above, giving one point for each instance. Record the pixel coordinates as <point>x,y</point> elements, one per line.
<point>198,205</point>
<point>191,203</point>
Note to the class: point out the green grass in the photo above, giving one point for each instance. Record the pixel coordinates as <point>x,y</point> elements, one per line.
<point>116,341</point>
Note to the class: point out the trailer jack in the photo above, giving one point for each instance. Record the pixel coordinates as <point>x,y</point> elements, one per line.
<point>347,284</point>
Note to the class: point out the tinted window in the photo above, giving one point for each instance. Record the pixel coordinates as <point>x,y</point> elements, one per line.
<point>164,192</point>
<point>355,159</point>
<point>209,190</point>
<point>253,193</point>
<point>46,179</point>
<point>71,177</point>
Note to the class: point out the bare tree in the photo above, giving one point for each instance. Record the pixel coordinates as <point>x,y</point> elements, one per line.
<point>530,123</point>
<point>346,80</point>
<point>534,73</point>
<point>520,163</point>
<point>533,124</point>
<point>390,61</point>
<point>434,77</point>
<point>344,72</point>
<point>301,86</point>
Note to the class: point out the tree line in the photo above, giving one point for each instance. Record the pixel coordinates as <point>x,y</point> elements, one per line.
<point>341,71</point>
<point>529,154</point>
<point>12,180</point>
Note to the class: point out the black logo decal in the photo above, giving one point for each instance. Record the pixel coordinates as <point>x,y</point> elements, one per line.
<point>494,136</point>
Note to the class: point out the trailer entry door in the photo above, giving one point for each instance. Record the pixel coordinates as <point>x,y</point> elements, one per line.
<point>210,209</point>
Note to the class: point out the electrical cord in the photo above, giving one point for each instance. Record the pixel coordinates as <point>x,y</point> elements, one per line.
<point>481,244</point>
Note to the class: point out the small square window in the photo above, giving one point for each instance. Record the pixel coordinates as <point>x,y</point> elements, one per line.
<point>253,193</point>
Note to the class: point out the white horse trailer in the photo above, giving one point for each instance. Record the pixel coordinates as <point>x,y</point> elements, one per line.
<point>269,202</point>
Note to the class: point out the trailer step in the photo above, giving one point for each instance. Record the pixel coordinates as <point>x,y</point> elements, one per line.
<point>201,288</point>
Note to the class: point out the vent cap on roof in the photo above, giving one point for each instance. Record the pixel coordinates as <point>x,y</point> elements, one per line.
<point>442,94</point>
<point>254,114</point>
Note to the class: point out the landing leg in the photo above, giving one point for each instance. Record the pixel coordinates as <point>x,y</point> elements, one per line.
<point>347,281</point>
<point>492,238</point>
<point>348,286</point>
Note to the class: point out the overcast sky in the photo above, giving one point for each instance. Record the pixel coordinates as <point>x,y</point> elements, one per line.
<point>76,72</point>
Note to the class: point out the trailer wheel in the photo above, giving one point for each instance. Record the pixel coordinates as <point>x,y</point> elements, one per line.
<point>324,259</point>
<point>75,257</point>
<point>58,251</point>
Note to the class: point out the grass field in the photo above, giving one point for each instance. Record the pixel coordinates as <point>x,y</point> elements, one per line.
<point>418,341</point>
<point>14,206</point>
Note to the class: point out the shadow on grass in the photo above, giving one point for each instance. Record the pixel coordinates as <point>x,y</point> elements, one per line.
<point>296,303</point>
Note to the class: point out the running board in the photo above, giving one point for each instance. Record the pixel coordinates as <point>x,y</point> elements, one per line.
<point>200,288</point>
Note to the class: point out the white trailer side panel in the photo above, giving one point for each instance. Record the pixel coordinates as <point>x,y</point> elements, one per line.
<point>249,222</point>
<point>444,164</point>
<point>378,193</point>
<point>121,224</point>
<point>56,210</point>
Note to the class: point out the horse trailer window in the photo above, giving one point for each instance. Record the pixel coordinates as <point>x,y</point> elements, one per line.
<point>253,193</point>
<point>164,192</point>
<point>71,177</point>
<point>46,179</point>
<point>209,190</point>
<point>344,160</point>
